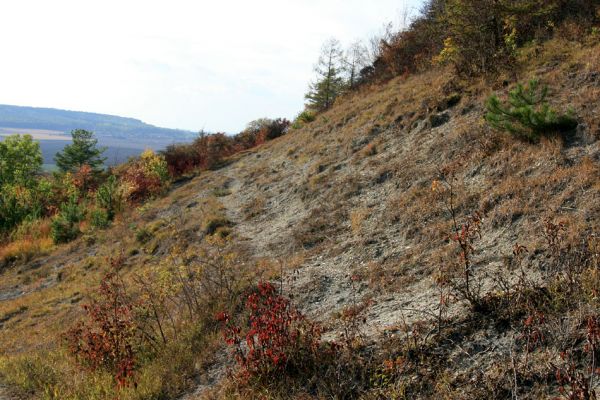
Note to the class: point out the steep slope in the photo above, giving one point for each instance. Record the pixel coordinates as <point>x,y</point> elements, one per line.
<point>352,193</point>
<point>344,214</point>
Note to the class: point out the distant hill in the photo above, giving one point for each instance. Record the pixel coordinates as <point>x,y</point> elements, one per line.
<point>106,127</point>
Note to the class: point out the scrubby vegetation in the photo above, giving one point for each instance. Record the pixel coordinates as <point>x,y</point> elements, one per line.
<point>82,192</point>
<point>210,150</point>
<point>477,38</point>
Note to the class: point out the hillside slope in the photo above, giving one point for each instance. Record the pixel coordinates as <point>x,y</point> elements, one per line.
<point>105,126</point>
<point>343,214</point>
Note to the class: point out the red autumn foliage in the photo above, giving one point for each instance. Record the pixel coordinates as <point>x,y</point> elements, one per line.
<point>209,150</point>
<point>532,334</point>
<point>180,158</point>
<point>142,185</point>
<point>83,179</point>
<point>593,338</point>
<point>106,338</point>
<point>279,338</point>
<point>212,149</point>
<point>573,384</point>
<point>272,130</point>
<point>206,152</point>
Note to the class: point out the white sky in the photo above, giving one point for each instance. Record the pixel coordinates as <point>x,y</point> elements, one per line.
<point>176,63</point>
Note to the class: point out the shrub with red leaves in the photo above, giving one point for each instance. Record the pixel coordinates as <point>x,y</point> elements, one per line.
<point>272,130</point>
<point>573,384</point>
<point>209,151</point>
<point>141,184</point>
<point>278,339</point>
<point>212,149</point>
<point>144,177</point>
<point>83,179</point>
<point>181,158</point>
<point>105,339</point>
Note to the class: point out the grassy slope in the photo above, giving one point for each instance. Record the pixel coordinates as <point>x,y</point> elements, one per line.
<point>350,194</point>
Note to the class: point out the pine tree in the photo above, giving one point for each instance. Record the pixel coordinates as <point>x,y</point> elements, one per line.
<point>527,114</point>
<point>329,84</point>
<point>83,151</point>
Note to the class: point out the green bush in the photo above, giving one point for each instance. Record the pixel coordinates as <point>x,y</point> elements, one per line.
<point>527,114</point>
<point>65,225</point>
<point>143,235</point>
<point>302,119</point>
<point>100,218</point>
<point>62,231</point>
<point>22,194</point>
<point>20,160</point>
<point>12,211</point>
<point>110,197</point>
<point>18,203</point>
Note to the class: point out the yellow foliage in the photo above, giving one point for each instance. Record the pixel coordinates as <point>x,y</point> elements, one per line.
<point>448,53</point>
<point>154,164</point>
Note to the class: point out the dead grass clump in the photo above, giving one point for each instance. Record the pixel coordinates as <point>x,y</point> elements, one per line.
<point>255,207</point>
<point>214,224</point>
<point>221,192</point>
<point>369,150</point>
<point>318,226</point>
<point>29,240</point>
<point>357,219</point>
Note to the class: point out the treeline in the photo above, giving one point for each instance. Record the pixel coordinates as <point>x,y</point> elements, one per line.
<point>208,150</point>
<point>476,37</point>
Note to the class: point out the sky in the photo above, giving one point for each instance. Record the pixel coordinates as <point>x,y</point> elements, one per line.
<point>188,64</point>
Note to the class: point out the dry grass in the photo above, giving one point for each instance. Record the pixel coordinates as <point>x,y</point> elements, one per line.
<point>362,170</point>
<point>49,298</point>
<point>24,250</point>
<point>357,219</point>
<point>28,241</point>
<point>255,207</point>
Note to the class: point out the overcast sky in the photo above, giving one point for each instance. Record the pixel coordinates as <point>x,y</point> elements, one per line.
<point>190,64</point>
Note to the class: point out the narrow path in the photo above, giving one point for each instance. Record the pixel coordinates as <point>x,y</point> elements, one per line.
<point>210,378</point>
<point>233,206</point>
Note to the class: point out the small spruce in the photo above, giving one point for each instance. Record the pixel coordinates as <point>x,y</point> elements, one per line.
<point>527,114</point>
